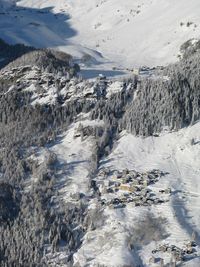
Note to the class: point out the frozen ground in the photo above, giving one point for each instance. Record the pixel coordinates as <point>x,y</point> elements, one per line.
<point>113,33</point>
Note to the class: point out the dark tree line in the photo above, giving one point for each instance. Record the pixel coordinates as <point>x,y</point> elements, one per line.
<point>32,225</point>
<point>172,101</point>
<point>11,52</point>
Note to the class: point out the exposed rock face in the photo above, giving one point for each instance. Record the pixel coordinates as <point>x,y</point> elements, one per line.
<point>189,48</point>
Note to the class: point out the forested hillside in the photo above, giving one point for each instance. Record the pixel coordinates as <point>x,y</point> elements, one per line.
<point>43,99</point>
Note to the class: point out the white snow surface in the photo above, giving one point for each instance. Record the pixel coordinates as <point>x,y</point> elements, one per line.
<point>177,153</point>
<point>74,160</point>
<point>118,33</point>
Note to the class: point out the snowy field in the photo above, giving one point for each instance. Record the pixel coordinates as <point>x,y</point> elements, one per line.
<point>113,33</point>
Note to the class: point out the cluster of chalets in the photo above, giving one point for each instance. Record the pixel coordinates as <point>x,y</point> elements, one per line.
<point>128,186</point>
<point>176,254</point>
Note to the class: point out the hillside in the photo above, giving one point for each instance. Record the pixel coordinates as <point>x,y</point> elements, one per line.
<point>136,33</point>
<point>87,177</point>
<point>99,133</point>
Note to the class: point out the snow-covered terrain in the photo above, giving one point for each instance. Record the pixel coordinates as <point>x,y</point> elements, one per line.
<point>127,34</point>
<point>115,238</point>
<point>42,85</point>
<point>95,194</point>
<point>74,155</point>
<point>176,153</point>
<point>140,195</point>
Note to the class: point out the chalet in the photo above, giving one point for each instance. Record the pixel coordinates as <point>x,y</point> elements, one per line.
<point>127,187</point>
<point>136,71</point>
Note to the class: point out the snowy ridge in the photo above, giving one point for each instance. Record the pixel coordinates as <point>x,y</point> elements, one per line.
<point>46,87</point>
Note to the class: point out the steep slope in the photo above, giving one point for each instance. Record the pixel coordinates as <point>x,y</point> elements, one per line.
<point>175,153</point>
<point>77,187</point>
<point>8,53</point>
<point>136,32</point>
<point>130,34</point>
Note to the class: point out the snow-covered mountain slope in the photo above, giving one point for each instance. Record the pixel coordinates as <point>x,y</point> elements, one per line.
<point>74,155</point>
<point>49,88</point>
<point>131,33</point>
<point>87,192</point>
<point>80,185</point>
<point>133,235</point>
<point>177,154</point>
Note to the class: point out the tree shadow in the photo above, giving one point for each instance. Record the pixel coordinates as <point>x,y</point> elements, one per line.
<point>40,28</point>
<point>184,219</point>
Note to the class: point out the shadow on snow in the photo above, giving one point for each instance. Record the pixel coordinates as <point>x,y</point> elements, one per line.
<point>40,28</point>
